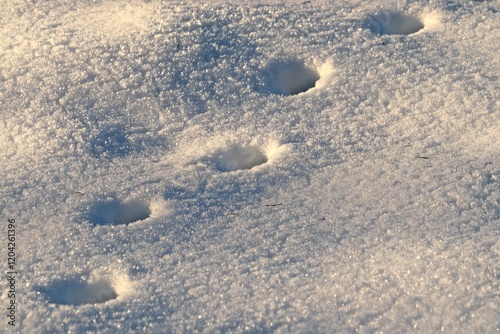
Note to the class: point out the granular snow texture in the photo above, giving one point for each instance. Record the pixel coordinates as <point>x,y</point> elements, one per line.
<point>251,166</point>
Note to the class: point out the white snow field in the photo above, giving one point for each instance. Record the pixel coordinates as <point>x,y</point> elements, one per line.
<point>251,166</point>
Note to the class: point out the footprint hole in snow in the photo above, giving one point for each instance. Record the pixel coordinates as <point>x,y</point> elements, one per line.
<point>75,292</point>
<point>292,77</point>
<point>239,157</point>
<point>116,213</point>
<point>394,23</point>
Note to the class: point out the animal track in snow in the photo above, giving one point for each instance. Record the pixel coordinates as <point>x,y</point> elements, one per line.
<point>116,213</point>
<point>395,23</point>
<point>239,157</point>
<point>292,77</point>
<point>76,292</point>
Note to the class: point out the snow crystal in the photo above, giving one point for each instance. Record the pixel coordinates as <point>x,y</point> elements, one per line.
<point>251,166</point>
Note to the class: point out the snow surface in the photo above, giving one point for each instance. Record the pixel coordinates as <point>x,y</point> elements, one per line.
<point>252,166</point>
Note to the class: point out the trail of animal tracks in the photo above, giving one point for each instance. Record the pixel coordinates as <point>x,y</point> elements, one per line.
<point>251,166</point>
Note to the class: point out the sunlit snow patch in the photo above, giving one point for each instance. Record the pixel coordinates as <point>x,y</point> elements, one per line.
<point>116,213</point>
<point>111,19</point>
<point>395,23</point>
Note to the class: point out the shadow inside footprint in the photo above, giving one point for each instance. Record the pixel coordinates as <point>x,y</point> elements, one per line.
<point>394,23</point>
<point>291,77</point>
<point>239,157</point>
<point>116,212</point>
<point>74,292</point>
